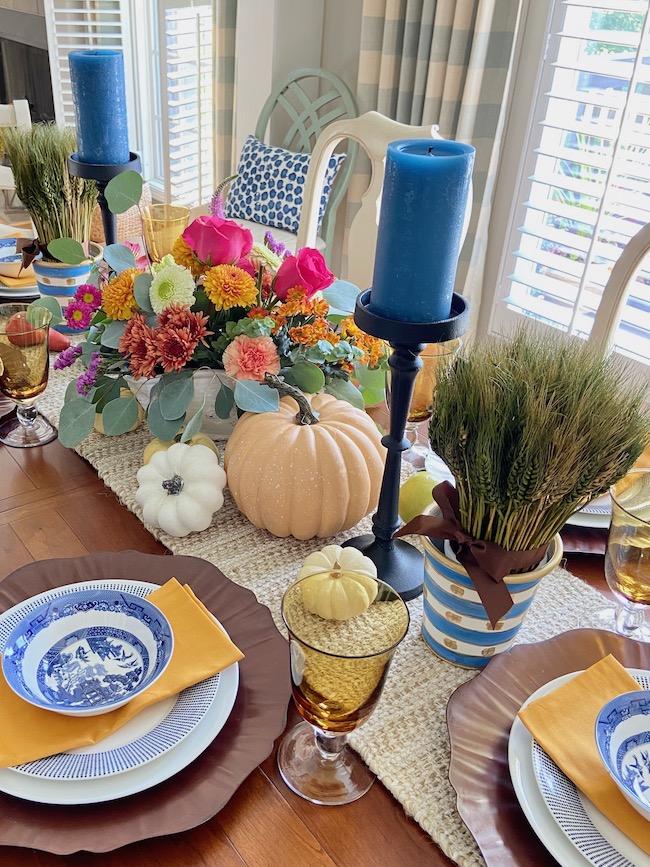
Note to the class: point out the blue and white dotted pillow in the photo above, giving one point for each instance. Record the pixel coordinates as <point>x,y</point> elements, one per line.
<point>270,184</point>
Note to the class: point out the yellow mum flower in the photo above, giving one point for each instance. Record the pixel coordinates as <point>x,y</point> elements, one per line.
<point>229,286</point>
<point>184,256</point>
<point>118,300</point>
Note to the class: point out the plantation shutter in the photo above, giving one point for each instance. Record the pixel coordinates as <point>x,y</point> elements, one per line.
<point>186,83</point>
<point>584,190</point>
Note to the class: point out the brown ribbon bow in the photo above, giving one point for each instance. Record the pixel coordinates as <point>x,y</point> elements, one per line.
<point>486,563</point>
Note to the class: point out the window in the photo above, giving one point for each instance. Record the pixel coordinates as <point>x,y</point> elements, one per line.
<point>583,188</point>
<point>168,58</point>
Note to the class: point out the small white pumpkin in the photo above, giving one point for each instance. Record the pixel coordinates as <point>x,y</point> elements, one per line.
<point>181,488</point>
<point>339,582</point>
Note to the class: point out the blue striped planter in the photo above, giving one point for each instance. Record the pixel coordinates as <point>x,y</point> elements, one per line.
<point>455,624</point>
<point>60,281</point>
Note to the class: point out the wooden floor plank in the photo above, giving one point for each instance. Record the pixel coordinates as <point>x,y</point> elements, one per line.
<point>13,554</point>
<point>13,479</point>
<point>46,535</point>
<point>35,502</point>
<point>51,464</point>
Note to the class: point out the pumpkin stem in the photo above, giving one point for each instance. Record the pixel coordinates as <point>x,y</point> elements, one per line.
<point>305,415</point>
<point>173,485</point>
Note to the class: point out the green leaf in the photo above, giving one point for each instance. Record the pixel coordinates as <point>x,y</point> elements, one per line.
<point>123,191</point>
<point>119,257</point>
<point>341,297</point>
<point>224,401</point>
<point>71,392</point>
<point>120,415</point>
<point>112,333</point>
<point>50,304</point>
<point>76,421</point>
<point>106,391</point>
<point>370,378</point>
<point>344,390</point>
<point>252,396</point>
<point>67,250</point>
<point>141,288</point>
<point>308,377</point>
<point>373,396</point>
<point>193,426</point>
<point>175,397</point>
<point>164,429</point>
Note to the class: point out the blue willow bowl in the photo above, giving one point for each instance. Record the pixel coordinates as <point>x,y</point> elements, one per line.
<point>87,652</point>
<point>623,740</point>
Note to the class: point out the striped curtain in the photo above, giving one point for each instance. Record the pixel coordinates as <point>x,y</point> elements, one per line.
<point>446,62</point>
<point>224,88</point>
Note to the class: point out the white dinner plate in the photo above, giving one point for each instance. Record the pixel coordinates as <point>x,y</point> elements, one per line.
<point>151,747</point>
<point>598,513</point>
<point>570,827</point>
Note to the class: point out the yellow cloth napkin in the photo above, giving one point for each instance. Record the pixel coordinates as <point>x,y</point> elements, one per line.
<point>563,724</point>
<point>17,282</point>
<point>201,650</point>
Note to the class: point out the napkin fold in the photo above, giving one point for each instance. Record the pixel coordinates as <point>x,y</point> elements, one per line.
<point>201,649</point>
<point>563,723</point>
<point>17,282</point>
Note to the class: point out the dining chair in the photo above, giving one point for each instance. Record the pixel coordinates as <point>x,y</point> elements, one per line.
<point>15,114</point>
<point>373,132</point>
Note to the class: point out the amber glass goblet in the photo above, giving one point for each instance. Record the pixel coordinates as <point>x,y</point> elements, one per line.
<point>338,670</point>
<point>24,368</point>
<point>162,225</point>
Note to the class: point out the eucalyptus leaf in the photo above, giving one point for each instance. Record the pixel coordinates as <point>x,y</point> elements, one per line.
<point>112,333</point>
<point>123,191</point>
<point>164,429</point>
<point>141,288</point>
<point>252,396</point>
<point>175,397</point>
<point>120,415</point>
<point>106,392</point>
<point>373,396</point>
<point>308,377</point>
<point>224,401</point>
<point>67,250</point>
<point>71,392</point>
<point>76,421</point>
<point>370,378</point>
<point>341,297</point>
<point>344,390</point>
<point>119,257</point>
<point>193,426</point>
<point>50,304</point>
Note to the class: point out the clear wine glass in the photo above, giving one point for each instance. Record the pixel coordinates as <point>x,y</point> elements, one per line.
<point>24,369</point>
<point>338,670</point>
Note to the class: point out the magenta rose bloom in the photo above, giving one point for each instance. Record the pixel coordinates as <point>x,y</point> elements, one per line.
<point>307,269</point>
<point>215,241</point>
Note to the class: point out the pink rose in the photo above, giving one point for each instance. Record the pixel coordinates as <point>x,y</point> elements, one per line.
<point>307,269</point>
<point>215,241</point>
<point>251,357</point>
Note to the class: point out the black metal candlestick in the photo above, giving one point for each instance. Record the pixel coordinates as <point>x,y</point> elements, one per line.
<point>399,563</point>
<point>102,174</point>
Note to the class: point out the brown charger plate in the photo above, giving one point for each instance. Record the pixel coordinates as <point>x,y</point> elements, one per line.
<point>198,792</point>
<point>480,714</point>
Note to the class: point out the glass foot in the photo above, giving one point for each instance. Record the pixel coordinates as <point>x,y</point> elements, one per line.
<point>606,618</point>
<point>339,779</point>
<point>19,436</point>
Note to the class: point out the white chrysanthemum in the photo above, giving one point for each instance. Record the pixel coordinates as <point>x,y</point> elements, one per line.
<point>166,260</point>
<point>261,255</point>
<point>172,284</point>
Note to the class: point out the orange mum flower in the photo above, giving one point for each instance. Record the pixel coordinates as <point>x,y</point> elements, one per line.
<point>176,347</point>
<point>139,341</point>
<point>310,334</point>
<point>229,286</point>
<point>184,256</point>
<point>118,300</point>
<point>178,316</point>
<point>257,313</point>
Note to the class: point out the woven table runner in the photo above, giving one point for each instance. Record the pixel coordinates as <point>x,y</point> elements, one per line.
<point>405,740</point>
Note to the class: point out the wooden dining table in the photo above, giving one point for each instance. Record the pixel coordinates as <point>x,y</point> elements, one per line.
<point>53,504</point>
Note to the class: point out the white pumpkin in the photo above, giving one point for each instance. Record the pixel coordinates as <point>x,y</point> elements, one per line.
<point>339,583</point>
<point>181,488</point>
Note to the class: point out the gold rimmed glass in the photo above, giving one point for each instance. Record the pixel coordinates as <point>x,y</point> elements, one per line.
<point>162,225</point>
<point>338,670</point>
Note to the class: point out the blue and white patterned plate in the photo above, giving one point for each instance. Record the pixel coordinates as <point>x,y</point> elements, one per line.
<point>571,828</point>
<point>11,260</point>
<point>146,738</point>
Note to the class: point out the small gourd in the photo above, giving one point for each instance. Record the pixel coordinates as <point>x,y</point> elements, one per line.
<point>339,583</point>
<point>181,488</point>
<point>157,445</point>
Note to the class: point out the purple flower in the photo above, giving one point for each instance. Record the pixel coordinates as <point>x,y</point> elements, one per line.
<point>67,357</point>
<point>86,381</point>
<point>78,314</point>
<point>216,205</point>
<point>90,295</point>
<point>274,246</point>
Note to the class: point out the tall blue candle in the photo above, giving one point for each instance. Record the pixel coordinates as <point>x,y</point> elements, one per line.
<point>426,185</point>
<point>99,95</point>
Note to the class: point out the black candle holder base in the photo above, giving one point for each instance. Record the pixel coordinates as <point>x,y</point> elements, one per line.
<point>401,565</point>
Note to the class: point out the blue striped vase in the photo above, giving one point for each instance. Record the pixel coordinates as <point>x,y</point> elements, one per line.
<point>61,281</point>
<point>455,624</point>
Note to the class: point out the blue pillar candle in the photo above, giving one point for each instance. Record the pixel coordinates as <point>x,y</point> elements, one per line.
<point>424,198</point>
<point>99,95</point>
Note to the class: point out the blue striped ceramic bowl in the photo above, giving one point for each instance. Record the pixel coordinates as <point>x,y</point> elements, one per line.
<point>60,281</point>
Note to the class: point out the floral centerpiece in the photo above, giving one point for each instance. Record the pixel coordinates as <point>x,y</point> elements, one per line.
<point>220,302</point>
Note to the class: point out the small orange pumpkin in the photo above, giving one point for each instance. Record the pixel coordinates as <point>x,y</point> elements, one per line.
<point>304,475</point>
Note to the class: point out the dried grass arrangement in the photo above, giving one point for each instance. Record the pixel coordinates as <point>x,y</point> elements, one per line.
<point>533,427</point>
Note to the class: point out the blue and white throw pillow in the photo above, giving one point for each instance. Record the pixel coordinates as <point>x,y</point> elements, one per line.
<point>270,185</point>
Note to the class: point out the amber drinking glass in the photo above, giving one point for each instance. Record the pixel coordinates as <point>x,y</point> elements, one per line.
<point>24,368</point>
<point>338,670</point>
<point>162,225</point>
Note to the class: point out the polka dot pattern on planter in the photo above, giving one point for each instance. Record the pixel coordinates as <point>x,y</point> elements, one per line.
<point>270,185</point>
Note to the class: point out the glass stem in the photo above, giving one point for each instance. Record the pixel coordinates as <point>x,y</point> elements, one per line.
<point>26,415</point>
<point>628,620</point>
<point>329,744</point>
